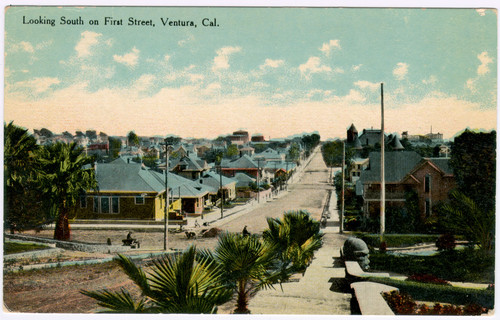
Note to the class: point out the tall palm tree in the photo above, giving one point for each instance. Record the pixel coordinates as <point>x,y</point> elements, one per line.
<point>65,173</point>
<point>248,266</point>
<point>296,237</point>
<point>183,283</point>
<point>22,200</point>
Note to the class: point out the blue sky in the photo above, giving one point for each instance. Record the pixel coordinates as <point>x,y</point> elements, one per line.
<point>276,71</point>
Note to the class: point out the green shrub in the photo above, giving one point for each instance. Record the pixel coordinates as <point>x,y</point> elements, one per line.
<point>440,293</point>
<point>458,265</point>
<point>18,247</point>
<point>398,240</point>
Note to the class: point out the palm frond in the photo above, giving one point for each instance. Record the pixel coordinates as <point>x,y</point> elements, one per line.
<point>116,302</point>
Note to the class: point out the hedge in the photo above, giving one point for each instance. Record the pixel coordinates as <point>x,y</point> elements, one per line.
<point>398,240</point>
<point>440,293</point>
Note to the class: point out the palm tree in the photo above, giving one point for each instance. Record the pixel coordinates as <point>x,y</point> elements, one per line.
<point>23,209</point>
<point>463,216</point>
<point>182,283</point>
<point>65,173</point>
<point>248,266</point>
<point>295,238</point>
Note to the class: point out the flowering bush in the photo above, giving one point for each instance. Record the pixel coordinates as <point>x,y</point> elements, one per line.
<point>403,304</point>
<point>427,278</point>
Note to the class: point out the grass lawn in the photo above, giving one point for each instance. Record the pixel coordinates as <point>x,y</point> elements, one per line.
<point>18,247</point>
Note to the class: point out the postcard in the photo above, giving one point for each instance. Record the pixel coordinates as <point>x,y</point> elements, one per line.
<point>257,160</point>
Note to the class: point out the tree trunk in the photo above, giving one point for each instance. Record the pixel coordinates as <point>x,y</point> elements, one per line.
<point>62,231</point>
<point>242,302</point>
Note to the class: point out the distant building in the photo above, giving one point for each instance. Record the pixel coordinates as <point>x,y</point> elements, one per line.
<point>258,138</point>
<point>239,137</point>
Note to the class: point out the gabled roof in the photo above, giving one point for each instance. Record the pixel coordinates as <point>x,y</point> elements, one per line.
<point>131,177</point>
<point>243,162</point>
<point>188,188</point>
<point>212,181</point>
<point>243,180</point>
<point>192,163</point>
<point>397,165</point>
<point>443,164</point>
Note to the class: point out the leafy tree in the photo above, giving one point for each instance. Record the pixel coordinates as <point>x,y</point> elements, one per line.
<point>67,134</point>
<point>232,151</point>
<point>65,174</point>
<point>46,133</point>
<point>462,215</point>
<point>473,159</point>
<point>172,140</point>
<point>248,265</point>
<point>115,146</point>
<point>296,237</point>
<point>294,152</point>
<point>22,199</point>
<point>183,283</point>
<point>133,139</point>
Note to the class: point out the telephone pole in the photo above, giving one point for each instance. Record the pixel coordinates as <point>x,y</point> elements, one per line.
<point>382,169</point>
<point>167,200</point>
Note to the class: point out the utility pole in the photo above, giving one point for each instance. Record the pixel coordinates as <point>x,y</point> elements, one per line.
<point>258,186</point>
<point>167,202</point>
<point>382,169</point>
<point>221,194</point>
<point>341,228</point>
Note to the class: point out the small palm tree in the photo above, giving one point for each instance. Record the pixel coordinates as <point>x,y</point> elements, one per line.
<point>184,283</point>
<point>296,237</point>
<point>248,266</point>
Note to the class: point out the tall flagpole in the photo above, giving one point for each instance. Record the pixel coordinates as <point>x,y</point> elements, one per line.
<point>382,171</point>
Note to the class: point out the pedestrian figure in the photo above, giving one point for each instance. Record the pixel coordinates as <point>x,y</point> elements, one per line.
<point>129,236</point>
<point>245,232</point>
<point>196,225</point>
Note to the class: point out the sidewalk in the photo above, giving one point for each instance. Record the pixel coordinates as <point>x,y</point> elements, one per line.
<point>318,290</point>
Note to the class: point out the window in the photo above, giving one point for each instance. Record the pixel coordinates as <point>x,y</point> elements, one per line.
<point>104,205</point>
<point>96,204</point>
<point>427,183</point>
<point>115,205</point>
<point>83,202</point>
<point>139,200</point>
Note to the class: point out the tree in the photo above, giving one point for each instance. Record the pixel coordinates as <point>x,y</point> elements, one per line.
<point>463,216</point>
<point>133,139</point>
<point>183,283</point>
<point>65,174</point>
<point>473,159</point>
<point>294,152</point>
<point>115,146</point>
<point>295,237</point>
<point>22,199</point>
<point>173,140</point>
<point>248,265</point>
<point>91,134</point>
<point>232,151</point>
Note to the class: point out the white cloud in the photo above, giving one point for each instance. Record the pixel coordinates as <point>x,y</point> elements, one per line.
<point>195,77</point>
<point>329,46</point>
<point>318,93</point>
<point>87,41</point>
<point>221,60</point>
<point>26,46</point>
<point>471,84</point>
<point>269,63</point>
<point>354,96</point>
<point>313,65</point>
<point>129,59</point>
<point>372,86</point>
<point>37,85</point>
<point>357,67</point>
<point>431,80</point>
<point>144,82</point>
<point>400,71</point>
<point>166,58</point>
<point>485,61</point>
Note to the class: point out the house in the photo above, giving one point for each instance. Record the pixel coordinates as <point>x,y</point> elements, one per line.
<point>190,167</point>
<point>125,191</point>
<point>213,181</point>
<point>405,171</point>
<point>239,137</point>
<point>128,190</point>
<point>358,165</point>
<point>244,164</point>
<point>370,137</point>
<point>243,180</point>
<point>270,155</point>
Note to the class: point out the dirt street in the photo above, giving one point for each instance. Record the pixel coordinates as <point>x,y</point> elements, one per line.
<point>44,290</point>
